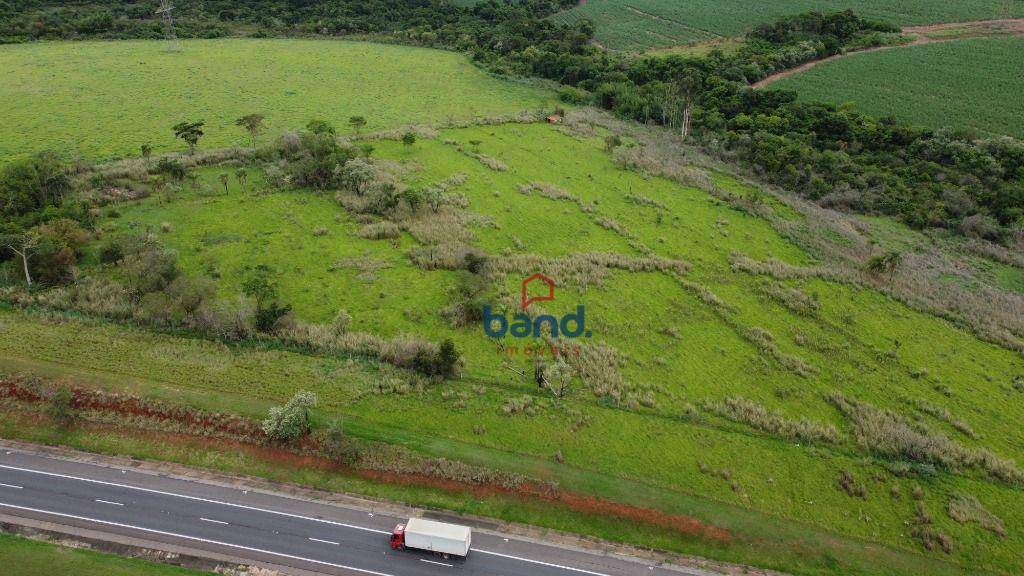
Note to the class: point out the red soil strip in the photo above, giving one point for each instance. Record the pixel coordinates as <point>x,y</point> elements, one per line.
<point>971,30</point>
<point>304,457</point>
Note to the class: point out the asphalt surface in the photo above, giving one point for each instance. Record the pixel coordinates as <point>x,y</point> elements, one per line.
<point>268,528</point>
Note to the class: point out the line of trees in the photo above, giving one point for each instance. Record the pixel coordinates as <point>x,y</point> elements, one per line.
<point>927,178</point>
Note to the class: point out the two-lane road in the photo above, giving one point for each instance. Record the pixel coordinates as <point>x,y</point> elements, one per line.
<point>268,528</point>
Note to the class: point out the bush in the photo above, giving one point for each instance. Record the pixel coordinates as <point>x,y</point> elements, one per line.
<point>291,421</point>
<point>172,168</point>
<point>61,407</point>
<point>337,446</point>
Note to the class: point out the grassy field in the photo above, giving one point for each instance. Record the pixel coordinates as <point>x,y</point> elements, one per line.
<point>24,557</point>
<point>103,100</point>
<point>642,24</point>
<point>677,347</point>
<point>965,84</point>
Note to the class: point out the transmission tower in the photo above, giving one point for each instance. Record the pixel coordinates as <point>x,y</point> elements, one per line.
<point>165,10</point>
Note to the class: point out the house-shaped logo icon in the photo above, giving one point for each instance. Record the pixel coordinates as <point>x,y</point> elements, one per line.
<point>537,278</point>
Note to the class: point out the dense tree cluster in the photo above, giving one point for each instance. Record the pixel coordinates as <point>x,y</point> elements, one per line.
<point>927,178</point>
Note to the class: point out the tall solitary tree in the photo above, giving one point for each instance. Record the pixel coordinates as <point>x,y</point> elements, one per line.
<point>253,124</point>
<point>224,179</point>
<point>146,151</point>
<point>190,132</point>
<point>357,123</point>
<point>25,245</point>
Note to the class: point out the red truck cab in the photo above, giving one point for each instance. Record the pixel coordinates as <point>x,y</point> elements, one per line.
<point>398,537</point>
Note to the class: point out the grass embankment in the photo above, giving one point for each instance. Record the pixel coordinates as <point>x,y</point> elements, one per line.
<point>104,100</point>
<point>971,84</point>
<point>783,344</point>
<point>752,538</point>
<point>24,557</point>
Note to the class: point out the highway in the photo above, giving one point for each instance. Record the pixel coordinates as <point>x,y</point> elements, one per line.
<point>268,528</point>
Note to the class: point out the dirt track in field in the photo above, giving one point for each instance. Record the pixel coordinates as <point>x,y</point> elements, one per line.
<point>921,35</point>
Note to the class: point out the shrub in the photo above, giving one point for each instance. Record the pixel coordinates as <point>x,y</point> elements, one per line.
<point>337,446</point>
<point>745,411</point>
<point>380,230</point>
<point>890,435</point>
<point>966,508</point>
<point>61,407</point>
<point>172,168</point>
<point>849,484</point>
<point>291,421</point>
<point>147,266</point>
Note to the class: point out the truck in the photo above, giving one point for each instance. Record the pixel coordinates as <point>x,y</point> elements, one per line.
<point>444,540</point>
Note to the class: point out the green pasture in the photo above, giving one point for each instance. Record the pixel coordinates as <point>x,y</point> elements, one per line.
<point>971,84</point>
<point>103,100</point>
<point>639,25</point>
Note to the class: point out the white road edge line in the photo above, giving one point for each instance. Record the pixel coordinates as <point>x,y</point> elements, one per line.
<point>214,521</point>
<point>548,564</point>
<point>204,540</point>
<point>11,486</point>
<point>432,562</point>
<point>325,542</point>
<point>109,502</point>
<point>194,498</point>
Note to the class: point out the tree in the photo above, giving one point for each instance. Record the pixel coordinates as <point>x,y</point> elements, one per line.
<point>260,287</point>
<point>291,421</point>
<point>357,174</point>
<point>357,123</point>
<point>409,138</point>
<point>555,376</point>
<point>320,127</point>
<point>242,176</point>
<point>32,183</point>
<point>886,263</point>
<point>447,358</point>
<point>687,87</point>
<point>146,151</point>
<point>476,145</point>
<point>25,246</point>
<point>253,124</point>
<point>224,179</point>
<point>190,132</point>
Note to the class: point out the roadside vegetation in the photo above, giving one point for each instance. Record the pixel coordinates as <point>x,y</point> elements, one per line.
<point>24,557</point>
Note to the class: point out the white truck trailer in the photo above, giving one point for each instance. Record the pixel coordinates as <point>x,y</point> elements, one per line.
<point>438,537</point>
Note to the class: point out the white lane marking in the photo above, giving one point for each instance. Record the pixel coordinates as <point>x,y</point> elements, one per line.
<point>432,562</point>
<point>325,542</point>
<point>11,486</point>
<point>196,499</point>
<point>548,564</point>
<point>214,521</point>
<point>109,502</point>
<point>204,540</point>
<point>286,514</point>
